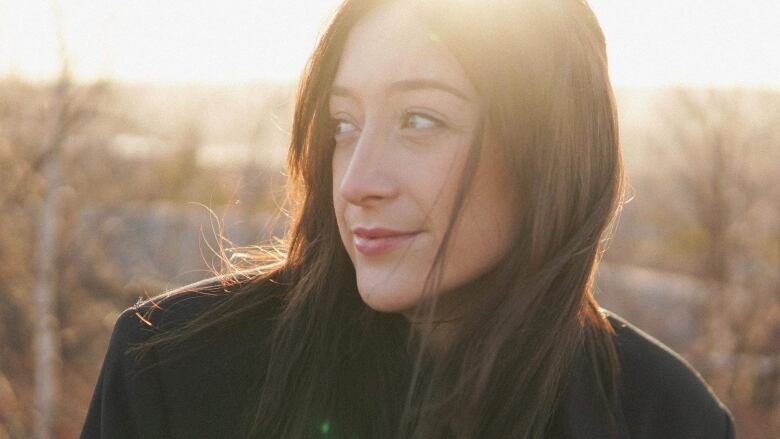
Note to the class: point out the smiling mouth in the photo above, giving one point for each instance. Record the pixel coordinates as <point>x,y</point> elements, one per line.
<point>377,245</point>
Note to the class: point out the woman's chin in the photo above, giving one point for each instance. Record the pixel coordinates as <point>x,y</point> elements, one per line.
<point>387,301</point>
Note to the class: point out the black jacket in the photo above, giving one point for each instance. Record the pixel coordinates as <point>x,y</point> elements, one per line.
<point>202,395</point>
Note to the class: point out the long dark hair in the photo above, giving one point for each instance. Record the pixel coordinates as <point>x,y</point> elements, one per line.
<point>540,67</point>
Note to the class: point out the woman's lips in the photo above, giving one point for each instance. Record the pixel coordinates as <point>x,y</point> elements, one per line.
<point>375,245</point>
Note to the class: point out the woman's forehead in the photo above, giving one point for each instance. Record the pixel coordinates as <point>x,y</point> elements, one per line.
<point>390,46</point>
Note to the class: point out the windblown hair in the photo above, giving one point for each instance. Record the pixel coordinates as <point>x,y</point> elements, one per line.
<point>540,68</point>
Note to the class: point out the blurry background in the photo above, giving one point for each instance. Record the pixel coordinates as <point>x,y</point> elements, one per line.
<point>131,131</point>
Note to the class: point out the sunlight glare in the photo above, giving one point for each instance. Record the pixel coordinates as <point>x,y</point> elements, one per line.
<point>693,42</point>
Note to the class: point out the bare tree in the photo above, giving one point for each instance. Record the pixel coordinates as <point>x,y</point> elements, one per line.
<point>717,190</point>
<point>69,109</point>
<point>46,343</point>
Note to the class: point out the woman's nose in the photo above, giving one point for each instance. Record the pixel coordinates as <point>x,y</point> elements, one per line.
<point>369,177</point>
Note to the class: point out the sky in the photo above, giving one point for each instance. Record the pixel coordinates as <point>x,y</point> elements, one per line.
<point>650,43</point>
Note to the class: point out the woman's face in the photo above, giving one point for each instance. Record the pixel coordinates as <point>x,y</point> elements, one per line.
<point>405,116</point>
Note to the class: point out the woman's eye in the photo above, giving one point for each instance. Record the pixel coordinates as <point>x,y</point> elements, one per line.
<point>342,126</point>
<point>420,121</point>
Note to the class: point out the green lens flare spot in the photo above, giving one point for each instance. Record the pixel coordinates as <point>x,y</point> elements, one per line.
<point>325,427</point>
<point>434,37</point>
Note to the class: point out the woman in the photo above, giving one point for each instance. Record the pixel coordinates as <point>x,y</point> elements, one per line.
<point>455,169</point>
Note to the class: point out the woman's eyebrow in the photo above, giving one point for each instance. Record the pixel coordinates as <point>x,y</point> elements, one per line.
<point>406,85</point>
<point>417,84</point>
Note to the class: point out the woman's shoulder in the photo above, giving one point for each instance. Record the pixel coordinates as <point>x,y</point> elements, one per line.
<point>191,387</point>
<point>661,393</point>
<point>172,309</point>
<point>169,309</point>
